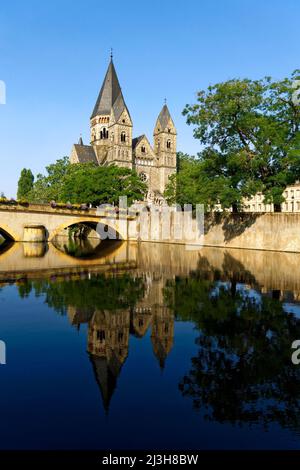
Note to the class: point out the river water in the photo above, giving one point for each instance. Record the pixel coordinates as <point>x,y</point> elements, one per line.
<point>152,346</point>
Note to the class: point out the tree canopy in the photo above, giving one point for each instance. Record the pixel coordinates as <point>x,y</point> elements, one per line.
<point>249,134</point>
<point>86,183</point>
<point>25,183</point>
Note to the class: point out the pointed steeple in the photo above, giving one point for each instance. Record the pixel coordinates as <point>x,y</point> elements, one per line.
<point>110,96</point>
<point>80,141</point>
<point>106,375</point>
<point>160,353</point>
<point>164,117</point>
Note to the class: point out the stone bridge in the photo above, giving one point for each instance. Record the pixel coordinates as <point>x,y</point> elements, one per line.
<point>41,222</point>
<point>257,231</point>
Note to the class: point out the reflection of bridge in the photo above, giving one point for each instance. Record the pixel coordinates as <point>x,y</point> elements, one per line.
<point>35,260</point>
<point>41,222</point>
<point>269,270</point>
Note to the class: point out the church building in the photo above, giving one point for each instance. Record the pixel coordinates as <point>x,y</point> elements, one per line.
<point>111,140</point>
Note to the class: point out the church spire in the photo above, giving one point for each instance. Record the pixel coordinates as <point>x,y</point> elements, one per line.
<point>110,96</point>
<point>164,117</point>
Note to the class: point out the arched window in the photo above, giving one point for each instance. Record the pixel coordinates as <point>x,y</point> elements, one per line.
<point>158,144</point>
<point>100,335</point>
<point>123,137</point>
<point>168,144</point>
<point>143,149</point>
<point>104,133</point>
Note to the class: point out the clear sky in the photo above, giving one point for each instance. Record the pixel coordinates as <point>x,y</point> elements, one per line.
<point>54,54</point>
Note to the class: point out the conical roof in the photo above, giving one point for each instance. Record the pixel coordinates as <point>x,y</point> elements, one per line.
<point>164,117</point>
<point>110,96</point>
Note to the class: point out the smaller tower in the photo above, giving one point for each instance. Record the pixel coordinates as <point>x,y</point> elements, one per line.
<point>162,334</point>
<point>165,146</point>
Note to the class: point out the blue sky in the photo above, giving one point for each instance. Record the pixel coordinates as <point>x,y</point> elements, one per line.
<point>54,54</point>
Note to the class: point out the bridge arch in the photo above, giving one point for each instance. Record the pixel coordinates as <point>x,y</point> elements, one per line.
<point>93,223</point>
<point>8,233</point>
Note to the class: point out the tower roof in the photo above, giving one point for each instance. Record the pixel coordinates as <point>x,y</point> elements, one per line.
<point>164,117</point>
<point>110,96</point>
<point>106,374</point>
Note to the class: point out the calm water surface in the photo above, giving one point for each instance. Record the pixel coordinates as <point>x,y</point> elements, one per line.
<point>127,346</point>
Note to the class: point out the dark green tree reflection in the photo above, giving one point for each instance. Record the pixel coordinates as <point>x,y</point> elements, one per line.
<point>98,292</point>
<point>113,306</point>
<point>243,371</point>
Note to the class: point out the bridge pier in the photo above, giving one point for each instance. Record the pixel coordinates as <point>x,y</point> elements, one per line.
<point>34,249</point>
<point>34,233</point>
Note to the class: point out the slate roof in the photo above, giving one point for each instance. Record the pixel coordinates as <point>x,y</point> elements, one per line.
<point>110,96</point>
<point>164,117</point>
<point>137,140</point>
<point>106,375</point>
<point>85,153</point>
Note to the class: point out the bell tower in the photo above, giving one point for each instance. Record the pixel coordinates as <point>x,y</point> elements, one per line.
<point>111,125</point>
<point>165,137</point>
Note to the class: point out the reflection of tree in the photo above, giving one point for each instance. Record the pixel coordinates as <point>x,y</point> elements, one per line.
<point>102,292</point>
<point>79,248</point>
<point>243,371</point>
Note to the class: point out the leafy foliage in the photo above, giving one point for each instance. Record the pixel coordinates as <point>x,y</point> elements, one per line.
<point>87,182</point>
<point>25,183</point>
<point>249,133</point>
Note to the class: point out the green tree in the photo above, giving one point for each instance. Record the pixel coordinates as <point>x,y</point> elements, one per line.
<point>25,183</point>
<point>190,185</point>
<point>49,187</point>
<point>86,182</point>
<point>247,129</point>
<point>101,184</point>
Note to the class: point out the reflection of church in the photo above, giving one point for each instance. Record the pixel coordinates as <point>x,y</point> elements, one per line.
<point>109,330</point>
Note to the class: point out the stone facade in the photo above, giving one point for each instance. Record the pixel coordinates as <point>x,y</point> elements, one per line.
<point>112,142</point>
<point>291,195</point>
